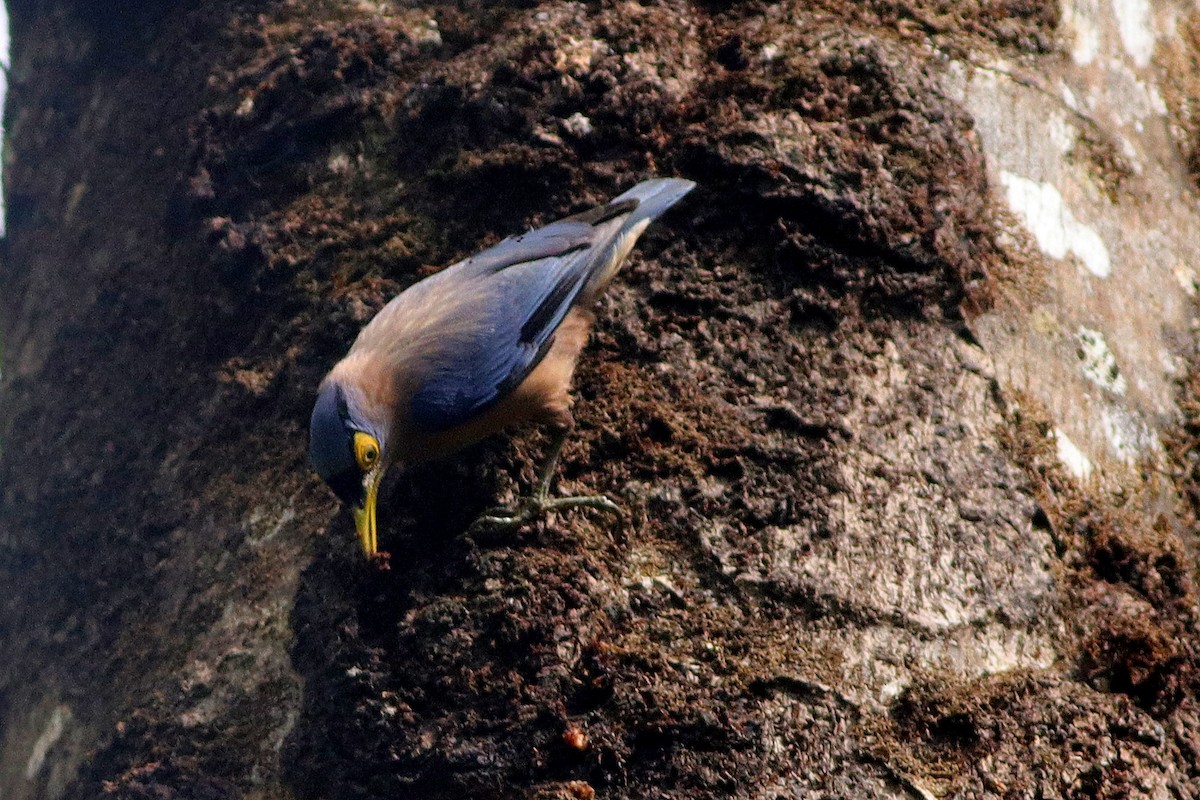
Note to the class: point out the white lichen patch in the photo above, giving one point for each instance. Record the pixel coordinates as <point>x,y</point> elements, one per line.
<point>55,727</point>
<point>73,200</point>
<point>1040,206</point>
<point>1137,33</point>
<point>264,523</point>
<point>1098,362</point>
<point>1081,30</point>
<point>1069,99</point>
<point>1072,457</point>
<point>1128,437</point>
<point>1063,134</point>
<point>892,690</point>
<point>339,164</point>
<point>1186,277</point>
<point>1158,103</point>
<point>577,125</point>
<point>1171,364</point>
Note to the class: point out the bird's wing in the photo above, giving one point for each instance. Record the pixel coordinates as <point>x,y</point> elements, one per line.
<point>552,241</point>
<point>510,327</point>
<point>522,289</point>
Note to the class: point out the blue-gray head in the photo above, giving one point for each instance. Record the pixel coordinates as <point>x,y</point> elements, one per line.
<point>346,449</point>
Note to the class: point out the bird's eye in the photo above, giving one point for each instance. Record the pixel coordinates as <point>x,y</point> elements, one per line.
<point>366,450</point>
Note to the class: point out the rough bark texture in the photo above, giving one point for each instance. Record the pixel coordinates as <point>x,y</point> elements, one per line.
<point>902,403</point>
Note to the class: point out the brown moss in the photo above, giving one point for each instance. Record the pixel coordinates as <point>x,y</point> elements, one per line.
<point>1131,651</point>
<point>1025,26</point>
<point>1102,158</point>
<point>1005,736</point>
<point>1177,62</point>
<point>1184,445</point>
<point>1131,583</point>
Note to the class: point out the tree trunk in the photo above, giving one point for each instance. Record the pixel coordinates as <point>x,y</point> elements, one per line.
<point>900,403</point>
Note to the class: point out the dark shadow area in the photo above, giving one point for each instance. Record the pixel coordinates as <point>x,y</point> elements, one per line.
<point>346,620</point>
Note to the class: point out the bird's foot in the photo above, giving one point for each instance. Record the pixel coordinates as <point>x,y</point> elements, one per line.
<point>536,506</point>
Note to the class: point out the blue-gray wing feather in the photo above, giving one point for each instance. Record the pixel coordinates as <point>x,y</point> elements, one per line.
<point>518,312</point>
<point>522,290</point>
<point>549,242</point>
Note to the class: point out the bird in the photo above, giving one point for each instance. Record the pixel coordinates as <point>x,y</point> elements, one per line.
<point>487,343</point>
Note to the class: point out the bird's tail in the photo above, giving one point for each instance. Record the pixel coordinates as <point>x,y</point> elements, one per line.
<point>653,198</point>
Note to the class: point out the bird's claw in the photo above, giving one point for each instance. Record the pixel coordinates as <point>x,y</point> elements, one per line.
<point>531,508</point>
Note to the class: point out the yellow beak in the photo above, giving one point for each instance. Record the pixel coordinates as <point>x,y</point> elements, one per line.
<point>364,515</point>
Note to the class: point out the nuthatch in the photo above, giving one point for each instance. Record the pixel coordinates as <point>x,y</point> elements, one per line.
<point>489,342</point>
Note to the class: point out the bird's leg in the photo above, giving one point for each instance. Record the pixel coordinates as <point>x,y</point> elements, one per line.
<point>531,507</point>
<point>541,496</point>
<point>546,474</point>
